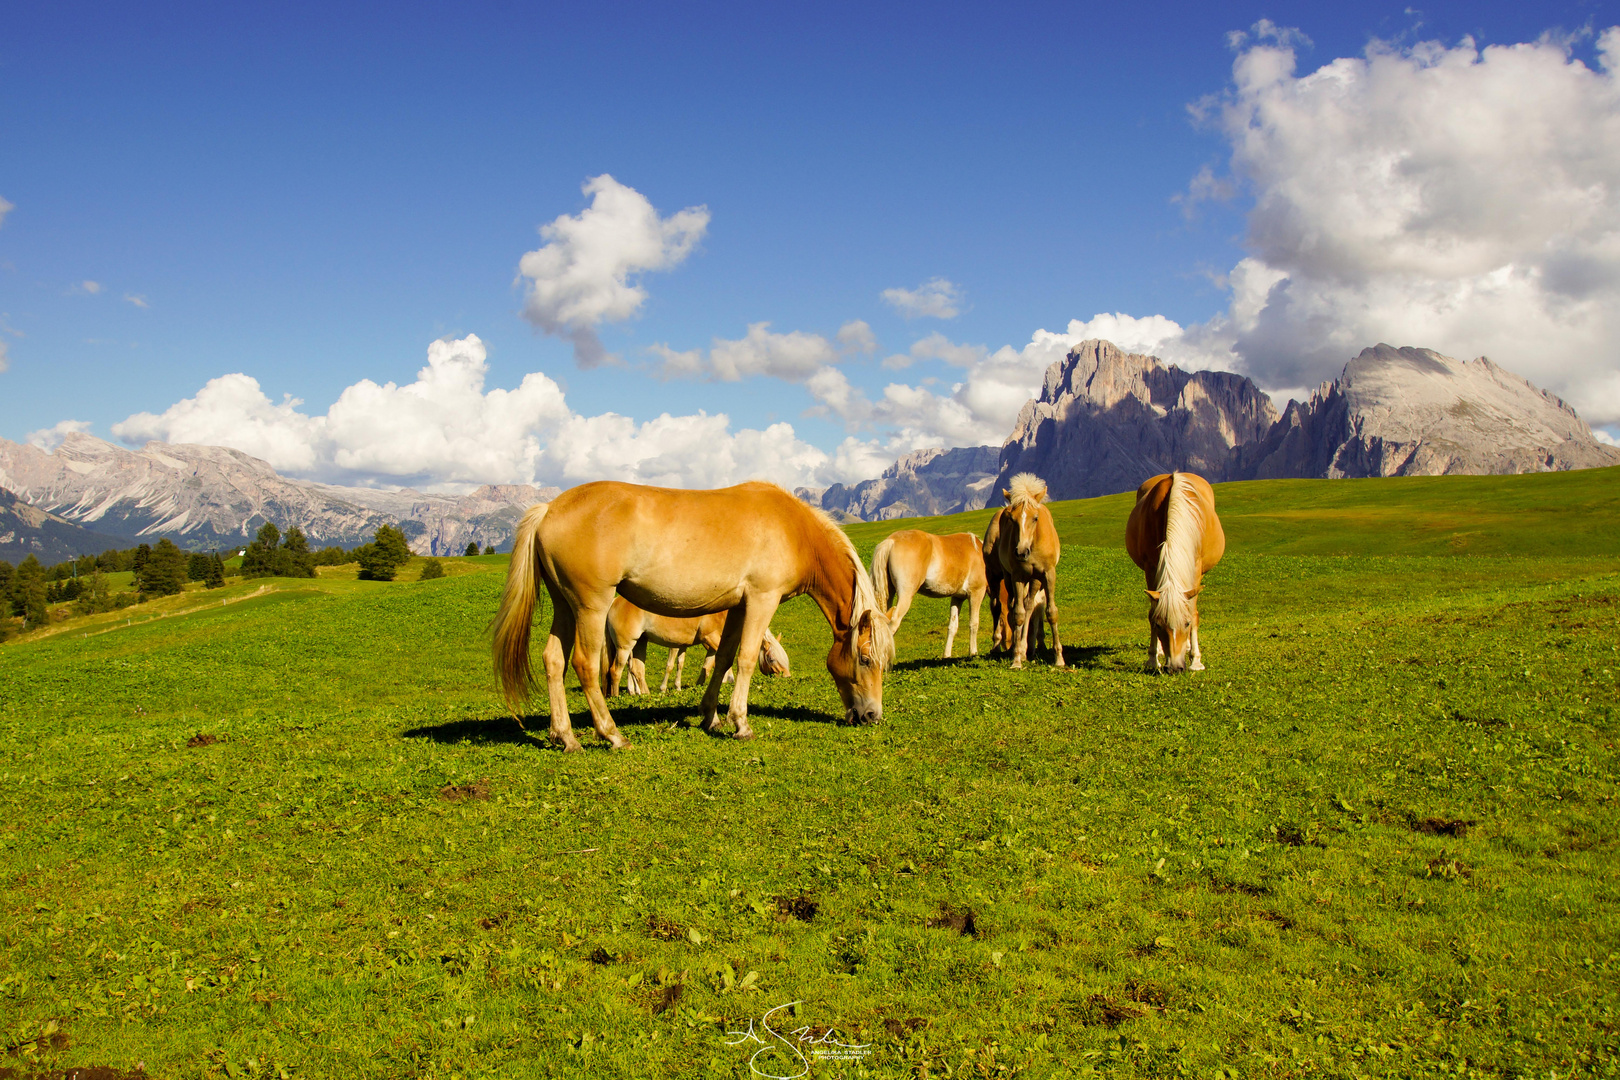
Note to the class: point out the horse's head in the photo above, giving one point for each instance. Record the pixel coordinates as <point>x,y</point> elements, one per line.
<point>1023,513</point>
<point>1173,619</point>
<point>858,658</point>
<point>773,659</point>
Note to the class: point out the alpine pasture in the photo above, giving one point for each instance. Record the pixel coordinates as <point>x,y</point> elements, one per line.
<point>290,830</point>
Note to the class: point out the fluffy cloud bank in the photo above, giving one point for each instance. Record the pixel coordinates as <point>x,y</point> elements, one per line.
<point>580,277</point>
<point>445,430</point>
<point>1459,198</point>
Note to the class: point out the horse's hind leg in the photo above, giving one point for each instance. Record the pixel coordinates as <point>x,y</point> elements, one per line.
<point>950,628</point>
<point>669,666</point>
<point>975,600</point>
<point>559,643</point>
<point>588,635</point>
<point>638,666</point>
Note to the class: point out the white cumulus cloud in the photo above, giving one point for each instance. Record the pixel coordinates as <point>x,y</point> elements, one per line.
<point>138,301</point>
<point>581,276</point>
<point>50,438</point>
<point>446,430</point>
<point>935,298</point>
<point>1460,198</point>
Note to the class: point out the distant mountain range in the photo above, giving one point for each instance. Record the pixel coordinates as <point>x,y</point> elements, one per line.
<point>1104,421</point>
<point>211,496</point>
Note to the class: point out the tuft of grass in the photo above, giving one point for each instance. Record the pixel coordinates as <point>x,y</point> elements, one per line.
<point>295,832</point>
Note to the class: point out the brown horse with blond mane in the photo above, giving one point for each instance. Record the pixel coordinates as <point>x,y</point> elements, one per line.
<point>944,567</point>
<point>629,629</point>
<point>1027,551</point>
<point>1175,537</point>
<point>741,550</point>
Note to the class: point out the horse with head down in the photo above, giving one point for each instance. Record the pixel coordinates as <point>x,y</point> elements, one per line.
<point>1175,537</point>
<point>629,629</point>
<point>741,550</point>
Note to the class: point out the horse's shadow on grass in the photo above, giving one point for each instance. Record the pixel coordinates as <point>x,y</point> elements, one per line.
<point>503,730</point>
<point>1092,657</point>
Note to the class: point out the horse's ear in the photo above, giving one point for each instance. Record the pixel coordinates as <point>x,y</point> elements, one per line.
<point>1194,592</point>
<point>1152,593</point>
<point>1006,493</point>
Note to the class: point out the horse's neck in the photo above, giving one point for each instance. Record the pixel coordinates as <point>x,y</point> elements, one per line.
<point>828,579</point>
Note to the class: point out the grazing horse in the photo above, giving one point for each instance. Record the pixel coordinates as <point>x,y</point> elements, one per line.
<point>741,550</point>
<point>629,629</point>
<point>944,567</point>
<point>1027,551</point>
<point>1175,537</point>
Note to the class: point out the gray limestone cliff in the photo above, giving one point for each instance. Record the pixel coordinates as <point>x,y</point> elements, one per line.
<point>1414,412</point>
<point>1106,420</point>
<point>920,484</point>
<point>212,496</point>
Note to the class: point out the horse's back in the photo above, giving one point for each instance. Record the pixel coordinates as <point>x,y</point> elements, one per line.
<point>1145,529</point>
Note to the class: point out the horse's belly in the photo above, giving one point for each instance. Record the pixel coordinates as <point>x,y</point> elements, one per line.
<point>937,582</point>
<point>680,597</point>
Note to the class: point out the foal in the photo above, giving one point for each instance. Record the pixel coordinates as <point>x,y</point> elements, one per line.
<point>944,567</point>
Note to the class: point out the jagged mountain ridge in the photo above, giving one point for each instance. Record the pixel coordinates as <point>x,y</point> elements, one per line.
<point>213,496</point>
<point>27,530</point>
<point>1106,420</point>
<point>922,483</point>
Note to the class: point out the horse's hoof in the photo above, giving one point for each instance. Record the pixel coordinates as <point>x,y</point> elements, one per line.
<point>749,734</point>
<point>572,748</point>
<point>1195,666</point>
<point>622,744</point>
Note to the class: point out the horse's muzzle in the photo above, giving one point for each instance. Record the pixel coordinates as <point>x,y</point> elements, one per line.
<point>869,715</point>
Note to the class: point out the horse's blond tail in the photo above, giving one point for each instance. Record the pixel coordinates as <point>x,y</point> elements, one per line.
<point>880,573</point>
<point>516,615</point>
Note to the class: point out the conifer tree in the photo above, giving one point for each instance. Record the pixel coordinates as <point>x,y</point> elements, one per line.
<point>197,566</point>
<point>7,572</point>
<point>142,553</point>
<point>294,558</point>
<point>489,549</point>
<point>472,548</point>
<point>165,571</point>
<point>214,578</point>
<point>260,558</point>
<point>28,593</point>
<point>380,559</point>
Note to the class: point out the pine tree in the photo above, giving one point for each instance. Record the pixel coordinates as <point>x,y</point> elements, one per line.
<point>294,558</point>
<point>380,559</point>
<point>165,571</point>
<point>472,548</point>
<point>197,566</point>
<point>260,558</point>
<point>28,593</point>
<point>142,554</point>
<point>7,572</point>
<point>97,596</point>
<point>214,578</point>
<point>489,549</point>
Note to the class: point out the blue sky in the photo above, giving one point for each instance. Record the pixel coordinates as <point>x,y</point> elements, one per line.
<point>311,197</point>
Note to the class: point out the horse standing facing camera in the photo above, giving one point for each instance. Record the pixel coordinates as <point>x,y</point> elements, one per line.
<point>1175,537</point>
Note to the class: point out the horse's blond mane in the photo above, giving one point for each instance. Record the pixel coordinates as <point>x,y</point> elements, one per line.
<point>865,599</point>
<point>1178,555</point>
<point>1026,488</point>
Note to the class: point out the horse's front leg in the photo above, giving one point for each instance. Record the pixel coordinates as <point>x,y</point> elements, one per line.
<point>950,627</point>
<point>669,666</point>
<point>589,633</point>
<point>1197,657</point>
<point>1155,650</point>
<point>757,615</point>
<point>1020,628</point>
<point>1052,615</point>
<point>559,643</point>
<point>721,656</point>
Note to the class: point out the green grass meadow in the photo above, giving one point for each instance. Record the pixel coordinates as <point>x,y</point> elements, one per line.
<point>286,829</point>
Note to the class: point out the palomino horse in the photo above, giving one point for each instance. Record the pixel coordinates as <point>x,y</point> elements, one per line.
<point>944,567</point>
<point>741,550</point>
<point>1001,634</point>
<point>1027,551</point>
<point>1174,536</point>
<point>629,629</point>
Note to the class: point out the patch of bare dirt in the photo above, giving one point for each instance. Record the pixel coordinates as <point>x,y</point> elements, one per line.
<point>802,908</point>
<point>958,920</point>
<point>201,739</point>
<point>464,792</point>
<point>1435,826</point>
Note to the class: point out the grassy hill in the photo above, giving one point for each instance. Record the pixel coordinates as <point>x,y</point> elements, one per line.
<point>286,828</point>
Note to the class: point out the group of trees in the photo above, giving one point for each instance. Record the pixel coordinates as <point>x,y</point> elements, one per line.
<point>472,548</point>
<point>162,569</point>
